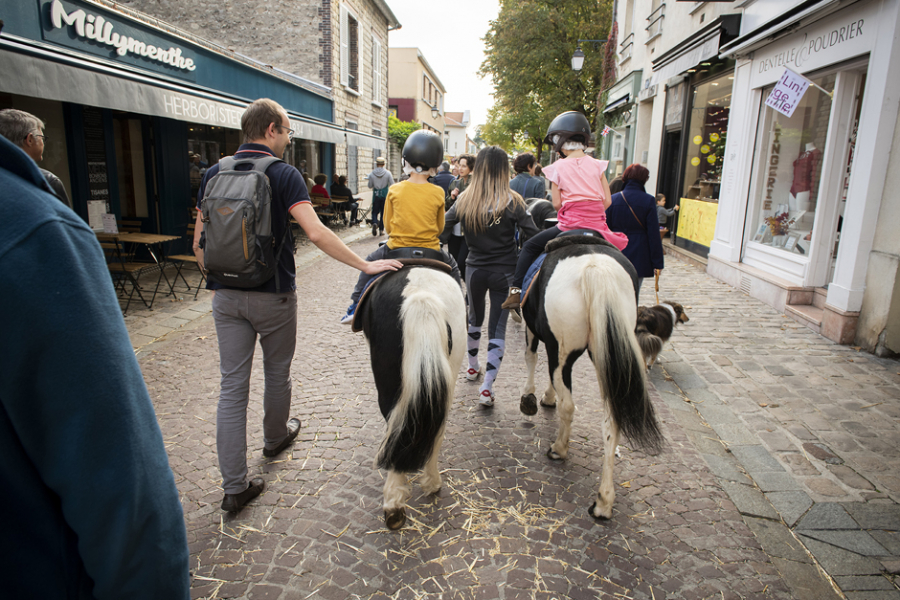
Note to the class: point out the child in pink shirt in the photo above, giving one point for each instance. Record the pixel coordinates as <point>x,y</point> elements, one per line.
<point>580,193</point>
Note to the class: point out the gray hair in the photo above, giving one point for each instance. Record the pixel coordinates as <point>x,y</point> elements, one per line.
<point>15,125</point>
<point>445,166</point>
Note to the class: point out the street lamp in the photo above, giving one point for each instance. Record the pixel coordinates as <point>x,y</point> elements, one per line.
<point>435,113</point>
<point>578,57</point>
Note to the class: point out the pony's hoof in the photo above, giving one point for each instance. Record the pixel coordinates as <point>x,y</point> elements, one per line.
<point>395,518</point>
<point>593,508</point>
<point>546,403</point>
<point>528,405</point>
<point>554,455</point>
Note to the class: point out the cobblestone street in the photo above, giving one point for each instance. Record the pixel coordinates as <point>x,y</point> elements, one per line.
<point>693,522</point>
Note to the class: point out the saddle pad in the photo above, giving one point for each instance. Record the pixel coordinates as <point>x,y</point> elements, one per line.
<point>531,275</point>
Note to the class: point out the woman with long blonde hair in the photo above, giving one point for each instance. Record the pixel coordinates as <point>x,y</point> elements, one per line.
<point>490,213</point>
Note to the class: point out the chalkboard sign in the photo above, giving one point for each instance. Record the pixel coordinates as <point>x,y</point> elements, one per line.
<point>95,152</point>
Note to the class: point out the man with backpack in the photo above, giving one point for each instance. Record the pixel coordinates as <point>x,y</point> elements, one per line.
<point>379,180</point>
<point>243,240</point>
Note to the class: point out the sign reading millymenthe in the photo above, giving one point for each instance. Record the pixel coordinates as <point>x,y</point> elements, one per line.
<point>106,35</point>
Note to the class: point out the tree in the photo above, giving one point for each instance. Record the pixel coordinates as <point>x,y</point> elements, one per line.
<point>528,51</point>
<point>399,130</point>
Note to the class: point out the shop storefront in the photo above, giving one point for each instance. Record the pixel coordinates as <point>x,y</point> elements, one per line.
<point>800,194</point>
<point>697,107</point>
<point>135,113</point>
<point>621,116</point>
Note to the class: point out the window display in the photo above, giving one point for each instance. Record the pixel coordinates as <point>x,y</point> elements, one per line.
<point>791,169</point>
<point>707,133</point>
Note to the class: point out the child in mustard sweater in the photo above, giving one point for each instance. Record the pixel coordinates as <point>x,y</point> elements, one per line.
<point>413,210</point>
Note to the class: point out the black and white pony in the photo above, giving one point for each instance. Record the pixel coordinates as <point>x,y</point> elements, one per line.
<point>415,323</point>
<point>583,298</point>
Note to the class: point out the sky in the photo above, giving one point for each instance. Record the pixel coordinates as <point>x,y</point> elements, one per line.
<point>449,36</point>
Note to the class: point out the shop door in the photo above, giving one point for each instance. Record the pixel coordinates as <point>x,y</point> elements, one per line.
<point>134,166</point>
<point>668,168</point>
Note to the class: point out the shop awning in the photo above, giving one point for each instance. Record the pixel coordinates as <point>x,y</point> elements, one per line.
<point>44,74</point>
<point>615,104</point>
<point>696,49</point>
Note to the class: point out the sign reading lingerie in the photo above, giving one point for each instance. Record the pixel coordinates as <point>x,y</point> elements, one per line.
<point>788,92</point>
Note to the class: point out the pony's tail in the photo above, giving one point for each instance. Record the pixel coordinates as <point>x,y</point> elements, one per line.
<point>426,380</point>
<point>617,355</point>
<point>650,344</point>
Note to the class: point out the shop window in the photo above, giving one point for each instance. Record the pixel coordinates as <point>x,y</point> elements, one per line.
<point>789,174</point>
<point>707,132</point>
<point>206,145</point>
<point>131,167</point>
<point>376,71</point>
<point>349,49</point>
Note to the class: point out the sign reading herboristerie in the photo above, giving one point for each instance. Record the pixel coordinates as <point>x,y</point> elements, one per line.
<point>110,36</point>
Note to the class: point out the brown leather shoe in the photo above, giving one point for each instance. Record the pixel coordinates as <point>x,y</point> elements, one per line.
<point>235,502</point>
<point>293,427</point>
<point>512,302</point>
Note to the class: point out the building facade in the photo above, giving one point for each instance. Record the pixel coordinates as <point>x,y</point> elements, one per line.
<point>340,45</point>
<point>126,98</point>
<point>414,90</point>
<point>780,207</point>
<point>456,140</point>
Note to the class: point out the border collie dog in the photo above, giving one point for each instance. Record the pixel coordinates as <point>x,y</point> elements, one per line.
<point>655,326</point>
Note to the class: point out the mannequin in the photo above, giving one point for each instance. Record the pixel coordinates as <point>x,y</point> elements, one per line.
<point>805,184</point>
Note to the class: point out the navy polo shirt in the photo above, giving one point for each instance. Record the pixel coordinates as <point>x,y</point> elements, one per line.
<point>288,190</point>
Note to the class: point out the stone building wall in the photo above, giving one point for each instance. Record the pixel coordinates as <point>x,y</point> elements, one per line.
<point>292,36</point>
<point>359,109</point>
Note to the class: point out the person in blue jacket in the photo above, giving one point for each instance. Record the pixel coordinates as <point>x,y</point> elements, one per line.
<point>91,504</point>
<point>633,212</point>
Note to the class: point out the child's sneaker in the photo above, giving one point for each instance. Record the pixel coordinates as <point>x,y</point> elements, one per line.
<point>486,398</point>
<point>348,317</point>
<point>473,373</point>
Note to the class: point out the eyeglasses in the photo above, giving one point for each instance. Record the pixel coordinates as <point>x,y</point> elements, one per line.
<point>40,135</point>
<point>290,132</point>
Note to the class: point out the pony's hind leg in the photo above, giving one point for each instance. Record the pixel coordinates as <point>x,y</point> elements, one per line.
<point>396,493</point>
<point>603,505</point>
<point>528,403</point>
<point>431,477</point>
<point>562,381</point>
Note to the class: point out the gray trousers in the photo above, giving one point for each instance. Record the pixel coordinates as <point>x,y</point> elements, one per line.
<point>240,317</point>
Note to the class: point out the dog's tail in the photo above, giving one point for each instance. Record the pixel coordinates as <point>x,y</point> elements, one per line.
<point>609,296</point>
<point>427,383</point>
<point>650,344</point>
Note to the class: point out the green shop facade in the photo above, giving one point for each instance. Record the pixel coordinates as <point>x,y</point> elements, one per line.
<point>135,111</point>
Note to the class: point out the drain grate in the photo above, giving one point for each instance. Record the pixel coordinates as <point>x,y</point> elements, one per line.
<point>745,285</point>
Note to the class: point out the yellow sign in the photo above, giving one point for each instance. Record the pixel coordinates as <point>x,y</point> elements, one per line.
<point>704,149</point>
<point>695,161</point>
<point>697,221</point>
<point>711,159</point>
<point>698,140</point>
<point>714,137</point>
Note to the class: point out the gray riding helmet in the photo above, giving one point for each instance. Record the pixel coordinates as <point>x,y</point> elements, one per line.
<point>423,149</point>
<point>566,125</point>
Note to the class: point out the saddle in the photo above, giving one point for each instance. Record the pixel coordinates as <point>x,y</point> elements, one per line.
<point>418,257</point>
<point>566,238</point>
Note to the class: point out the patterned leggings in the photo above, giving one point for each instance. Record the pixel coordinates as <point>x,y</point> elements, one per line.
<point>478,284</point>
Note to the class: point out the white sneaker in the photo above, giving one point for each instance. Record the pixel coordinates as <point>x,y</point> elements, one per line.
<point>472,374</point>
<point>347,319</point>
<point>486,398</point>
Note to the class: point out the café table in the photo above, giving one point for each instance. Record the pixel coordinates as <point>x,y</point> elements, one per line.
<point>155,245</point>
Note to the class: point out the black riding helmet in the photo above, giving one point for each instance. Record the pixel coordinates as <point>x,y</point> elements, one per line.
<point>423,149</point>
<point>567,125</point>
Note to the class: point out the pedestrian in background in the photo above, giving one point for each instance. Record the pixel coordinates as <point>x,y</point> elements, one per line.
<point>380,179</point>
<point>633,212</point>
<point>539,173</point>
<point>525,183</point>
<point>490,213</point>
<point>444,177</point>
<point>339,189</point>
<point>91,502</point>
<point>456,243</point>
<point>663,214</point>
<point>616,185</point>
<point>27,132</point>
<point>267,312</point>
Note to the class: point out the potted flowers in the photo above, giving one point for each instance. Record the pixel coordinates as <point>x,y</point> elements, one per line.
<point>779,225</point>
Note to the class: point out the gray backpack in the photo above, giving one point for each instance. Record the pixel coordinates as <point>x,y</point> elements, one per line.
<point>239,247</point>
